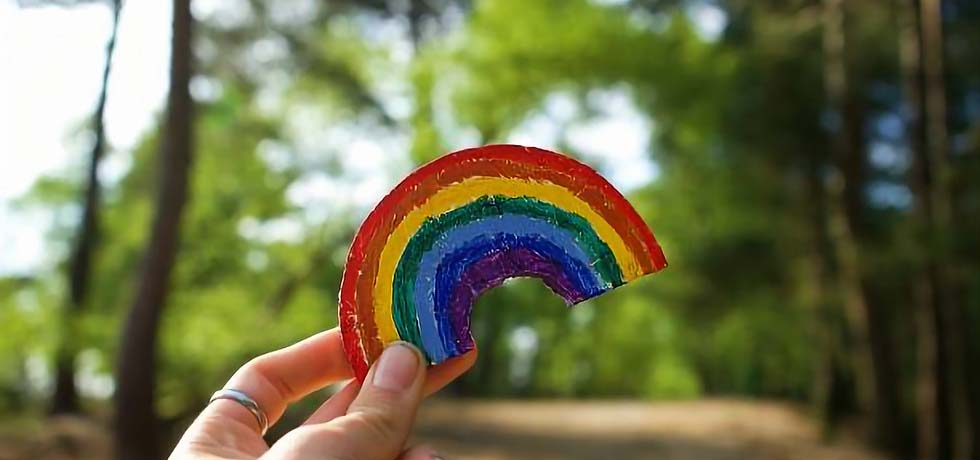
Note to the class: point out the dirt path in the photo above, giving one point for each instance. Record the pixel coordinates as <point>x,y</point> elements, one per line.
<point>704,430</point>
<point>526,430</point>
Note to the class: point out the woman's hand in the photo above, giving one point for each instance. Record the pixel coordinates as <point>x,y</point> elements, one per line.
<point>369,422</point>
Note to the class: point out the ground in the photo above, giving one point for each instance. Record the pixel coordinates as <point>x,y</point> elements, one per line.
<point>704,430</point>
<point>572,430</point>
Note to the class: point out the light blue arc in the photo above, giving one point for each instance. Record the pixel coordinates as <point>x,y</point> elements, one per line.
<point>449,242</point>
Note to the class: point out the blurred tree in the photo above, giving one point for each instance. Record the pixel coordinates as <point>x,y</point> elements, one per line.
<point>65,398</point>
<point>874,364</point>
<point>961,72</point>
<point>943,400</point>
<point>136,421</point>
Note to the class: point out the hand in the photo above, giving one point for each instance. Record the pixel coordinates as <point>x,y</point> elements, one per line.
<point>369,422</point>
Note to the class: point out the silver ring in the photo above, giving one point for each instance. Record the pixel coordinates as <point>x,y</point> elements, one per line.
<point>245,401</point>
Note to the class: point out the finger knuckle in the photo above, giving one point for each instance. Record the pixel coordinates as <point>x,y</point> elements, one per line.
<point>255,366</point>
<point>258,369</point>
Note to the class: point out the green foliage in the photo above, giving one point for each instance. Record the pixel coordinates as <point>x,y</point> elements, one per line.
<point>738,122</point>
<point>25,315</point>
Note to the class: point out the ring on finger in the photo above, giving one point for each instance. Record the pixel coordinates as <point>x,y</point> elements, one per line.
<point>247,402</point>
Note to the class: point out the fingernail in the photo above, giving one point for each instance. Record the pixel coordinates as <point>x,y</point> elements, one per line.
<point>397,367</point>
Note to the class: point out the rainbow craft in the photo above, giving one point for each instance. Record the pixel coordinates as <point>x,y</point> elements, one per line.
<point>466,222</point>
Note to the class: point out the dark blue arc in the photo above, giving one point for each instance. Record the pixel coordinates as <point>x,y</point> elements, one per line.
<point>455,264</point>
<point>462,235</point>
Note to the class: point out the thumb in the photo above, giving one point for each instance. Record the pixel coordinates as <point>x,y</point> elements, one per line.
<point>377,422</point>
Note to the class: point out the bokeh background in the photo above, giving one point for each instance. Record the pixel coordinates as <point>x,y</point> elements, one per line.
<point>180,182</point>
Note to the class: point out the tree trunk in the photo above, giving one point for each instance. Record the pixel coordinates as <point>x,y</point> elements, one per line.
<point>950,314</point>
<point>827,399</point>
<point>926,394</point>
<point>136,423</point>
<point>874,368</point>
<point>65,397</point>
<point>944,425</point>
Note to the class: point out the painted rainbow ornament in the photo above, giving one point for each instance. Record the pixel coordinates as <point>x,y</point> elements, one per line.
<point>466,222</point>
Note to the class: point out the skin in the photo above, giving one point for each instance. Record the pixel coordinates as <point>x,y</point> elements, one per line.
<point>360,422</point>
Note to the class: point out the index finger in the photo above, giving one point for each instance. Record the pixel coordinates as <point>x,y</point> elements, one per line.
<point>283,376</point>
<point>276,379</point>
